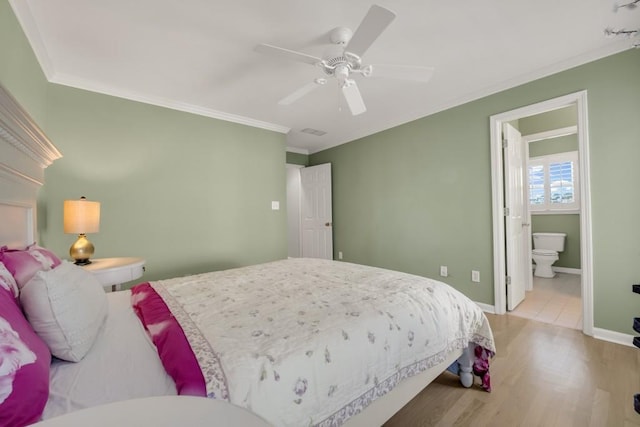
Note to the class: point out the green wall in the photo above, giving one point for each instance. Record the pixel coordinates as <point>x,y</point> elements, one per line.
<point>297,159</point>
<point>419,196</point>
<point>20,72</point>
<point>188,193</point>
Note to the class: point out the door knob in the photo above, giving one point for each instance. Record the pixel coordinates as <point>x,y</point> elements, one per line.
<point>525,224</point>
<point>327,224</point>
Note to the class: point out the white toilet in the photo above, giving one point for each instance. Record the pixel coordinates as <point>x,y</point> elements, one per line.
<point>545,252</point>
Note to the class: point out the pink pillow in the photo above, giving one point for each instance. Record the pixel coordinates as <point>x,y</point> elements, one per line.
<point>24,264</point>
<point>24,366</point>
<point>48,256</point>
<point>7,281</point>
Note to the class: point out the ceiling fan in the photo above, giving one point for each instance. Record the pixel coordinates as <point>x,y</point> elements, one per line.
<point>342,61</point>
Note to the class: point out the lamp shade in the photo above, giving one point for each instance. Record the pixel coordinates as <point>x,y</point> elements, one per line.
<point>81,216</point>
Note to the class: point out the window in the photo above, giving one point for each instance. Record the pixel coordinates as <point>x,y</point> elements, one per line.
<point>553,183</point>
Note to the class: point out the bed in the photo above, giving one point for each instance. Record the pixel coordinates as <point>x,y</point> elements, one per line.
<point>285,339</point>
<point>297,341</point>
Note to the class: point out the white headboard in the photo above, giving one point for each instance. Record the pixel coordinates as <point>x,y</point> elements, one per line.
<point>25,151</point>
<point>16,226</point>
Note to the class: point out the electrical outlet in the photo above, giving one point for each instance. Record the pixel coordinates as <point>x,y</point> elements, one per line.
<point>340,255</point>
<point>443,271</point>
<point>475,276</point>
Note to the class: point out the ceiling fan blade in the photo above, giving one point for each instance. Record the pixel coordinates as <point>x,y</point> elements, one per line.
<point>286,53</point>
<point>309,87</point>
<point>354,99</point>
<point>402,72</point>
<point>374,23</point>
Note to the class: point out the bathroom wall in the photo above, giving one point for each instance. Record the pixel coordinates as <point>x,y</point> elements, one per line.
<point>561,144</point>
<point>556,223</point>
<point>556,119</point>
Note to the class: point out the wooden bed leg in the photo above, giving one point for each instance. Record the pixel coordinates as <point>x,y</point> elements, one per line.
<point>466,366</point>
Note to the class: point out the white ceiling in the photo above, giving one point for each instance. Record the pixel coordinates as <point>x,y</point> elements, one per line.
<point>198,55</point>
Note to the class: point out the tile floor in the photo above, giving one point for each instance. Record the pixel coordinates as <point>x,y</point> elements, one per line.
<point>555,301</point>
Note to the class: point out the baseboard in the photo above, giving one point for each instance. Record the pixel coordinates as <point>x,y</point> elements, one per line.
<point>566,270</point>
<point>598,333</point>
<point>614,337</point>
<point>486,307</point>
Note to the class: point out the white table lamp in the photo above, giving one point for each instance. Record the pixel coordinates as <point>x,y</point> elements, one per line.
<point>81,217</point>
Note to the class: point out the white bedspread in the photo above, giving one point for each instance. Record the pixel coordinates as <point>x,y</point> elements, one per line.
<point>307,341</point>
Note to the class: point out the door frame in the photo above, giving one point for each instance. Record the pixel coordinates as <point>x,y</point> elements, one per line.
<point>294,218</point>
<point>497,192</point>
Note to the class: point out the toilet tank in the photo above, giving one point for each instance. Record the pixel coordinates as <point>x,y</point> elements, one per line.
<point>551,241</point>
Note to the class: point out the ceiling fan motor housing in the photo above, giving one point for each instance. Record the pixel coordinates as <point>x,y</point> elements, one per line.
<point>341,35</point>
<point>335,57</point>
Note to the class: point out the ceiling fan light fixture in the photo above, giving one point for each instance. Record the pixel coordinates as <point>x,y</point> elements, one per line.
<point>343,58</point>
<point>342,73</point>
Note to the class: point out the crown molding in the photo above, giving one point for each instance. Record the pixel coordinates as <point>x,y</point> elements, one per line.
<point>537,74</point>
<point>297,150</point>
<point>19,130</point>
<point>558,67</point>
<point>92,86</point>
<point>25,18</point>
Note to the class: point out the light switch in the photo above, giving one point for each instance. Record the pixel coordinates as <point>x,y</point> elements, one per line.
<point>475,276</point>
<point>275,206</point>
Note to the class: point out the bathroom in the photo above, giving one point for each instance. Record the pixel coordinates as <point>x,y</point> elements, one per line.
<point>554,207</point>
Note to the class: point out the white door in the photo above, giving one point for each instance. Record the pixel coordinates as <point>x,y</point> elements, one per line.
<point>515,223</point>
<point>317,227</point>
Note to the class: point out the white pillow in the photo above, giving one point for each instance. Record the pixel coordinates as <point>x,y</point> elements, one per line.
<point>67,307</point>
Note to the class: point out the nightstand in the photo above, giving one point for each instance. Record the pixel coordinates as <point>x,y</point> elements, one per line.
<point>112,272</point>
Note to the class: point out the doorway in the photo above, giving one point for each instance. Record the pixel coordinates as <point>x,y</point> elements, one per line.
<point>557,301</point>
<point>293,211</point>
<point>501,188</point>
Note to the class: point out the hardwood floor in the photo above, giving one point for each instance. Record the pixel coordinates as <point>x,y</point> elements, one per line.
<point>542,375</point>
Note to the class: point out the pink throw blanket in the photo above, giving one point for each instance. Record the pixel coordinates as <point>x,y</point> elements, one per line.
<point>175,352</point>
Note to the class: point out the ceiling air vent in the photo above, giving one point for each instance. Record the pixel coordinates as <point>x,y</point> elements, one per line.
<point>313,131</point>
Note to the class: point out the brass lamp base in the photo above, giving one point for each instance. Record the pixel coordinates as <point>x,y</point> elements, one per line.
<point>82,250</point>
